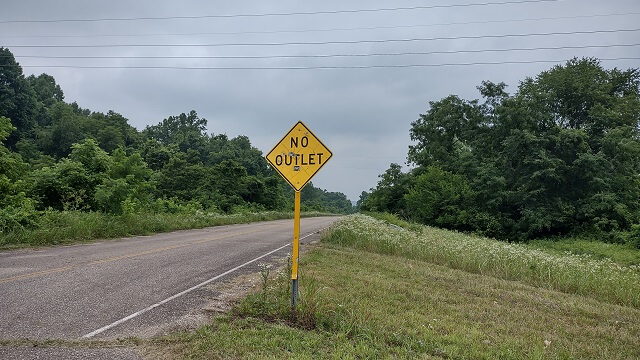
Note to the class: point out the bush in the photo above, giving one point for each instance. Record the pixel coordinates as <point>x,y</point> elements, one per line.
<point>440,198</point>
<point>18,212</point>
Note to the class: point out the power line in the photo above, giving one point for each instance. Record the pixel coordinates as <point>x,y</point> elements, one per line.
<point>336,42</point>
<point>327,12</point>
<point>326,30</point>
<point>372,157</point>
<point>304,67</point>
<point>325,55</point>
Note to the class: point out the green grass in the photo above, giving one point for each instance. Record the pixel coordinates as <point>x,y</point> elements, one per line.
<point>363,296</point>
<point>394,220</point>
<point>74,226</point>
<point>622,254</point>
<point>601,279</point>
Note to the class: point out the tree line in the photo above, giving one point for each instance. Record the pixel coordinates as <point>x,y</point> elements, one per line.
<point>57,156</point>
<point>560,156</point>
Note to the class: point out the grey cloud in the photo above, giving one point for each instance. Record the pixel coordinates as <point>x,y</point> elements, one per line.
<point>363,115</point>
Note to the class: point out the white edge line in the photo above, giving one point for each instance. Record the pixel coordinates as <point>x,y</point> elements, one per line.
<point>151,307</point>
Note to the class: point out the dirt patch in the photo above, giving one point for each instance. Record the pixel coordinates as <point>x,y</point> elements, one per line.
<point>223,296</point>
<point>230,292</point>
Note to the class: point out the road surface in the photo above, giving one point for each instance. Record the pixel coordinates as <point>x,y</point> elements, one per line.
<point>120,288</point>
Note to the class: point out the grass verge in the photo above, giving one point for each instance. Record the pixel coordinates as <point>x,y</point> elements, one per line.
<point>363,300</point>
<point>74,226</point>
<point>580,274</point>
<point>623,254</point>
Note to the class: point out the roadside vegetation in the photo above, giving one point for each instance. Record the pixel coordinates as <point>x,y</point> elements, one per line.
<point>65,227</point>
<point>558,156</point>
<point>623,254</point>
<point>602,279</point>
<point>69,173</point>
<point>373,289</point>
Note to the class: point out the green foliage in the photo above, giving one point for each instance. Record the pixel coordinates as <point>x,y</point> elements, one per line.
<point>312,311</point>
<point>440,198</point>
<point>46,89</point>
<point>389,194</point>
<point>185,131</point>
<point>17,98</point>
<point>65,186</point>
<point>47,93</point>
<point>5,128</point>
<point>16,209</point>
<point>560,156</point>
<point>112,131</point>
<point>128,188</point>
<point>64,131</point>
<point>316,199</point>
<point>93,159</point>
<point>361,199</point>
<point>57,156</point>
<point>623,254</point>
<point>64,227</point>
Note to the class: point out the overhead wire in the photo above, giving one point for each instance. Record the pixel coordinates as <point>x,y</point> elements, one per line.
<point>123,57</point>
<point>304,67</point>
<point>326,29</point>
<point>333,42</point>
<point>326,12</point>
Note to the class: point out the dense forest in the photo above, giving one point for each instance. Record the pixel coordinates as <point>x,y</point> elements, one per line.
<point>560,156</point>
<point>57,156</point>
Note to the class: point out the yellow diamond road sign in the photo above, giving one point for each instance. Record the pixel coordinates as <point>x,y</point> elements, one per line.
<point>299,156</point>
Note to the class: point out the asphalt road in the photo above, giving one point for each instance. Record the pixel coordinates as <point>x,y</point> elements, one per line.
<point>119,288</point>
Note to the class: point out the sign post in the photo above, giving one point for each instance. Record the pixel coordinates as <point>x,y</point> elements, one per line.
<point>295,253</point>
<point>297,158</point>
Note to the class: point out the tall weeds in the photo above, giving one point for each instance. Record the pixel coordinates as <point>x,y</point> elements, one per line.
<point>314,310</point>
<point>75,226</point>
<point>600,279</point>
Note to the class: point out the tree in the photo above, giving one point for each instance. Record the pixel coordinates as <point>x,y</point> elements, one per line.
<point>46,89</point>
<point>64,131</point>
<point>112,130</point>
<point>16,209</point>
<point>440,198</point>
<point>445,132</point>
<point>128,181</point>
<point>229,179</point>
<point>17,98</point>
<point>170,166</point>
<point>187,131</point>
<point>389,194</point>
<point>72,182</point>
<point>560,155</point>
<point>182,180</point>
<point>363,197</point>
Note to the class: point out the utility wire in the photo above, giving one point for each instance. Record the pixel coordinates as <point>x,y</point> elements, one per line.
<point>323,55</point>
<point>325,30</point>
<point>279,14</point>
<point>304,67</point>
<point>329,42</point>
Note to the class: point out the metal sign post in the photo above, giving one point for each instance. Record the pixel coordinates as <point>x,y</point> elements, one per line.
<point>295,253</point>
<point>297,158</point>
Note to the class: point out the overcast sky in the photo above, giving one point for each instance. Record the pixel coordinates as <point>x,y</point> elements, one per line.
<point>362,114</point>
